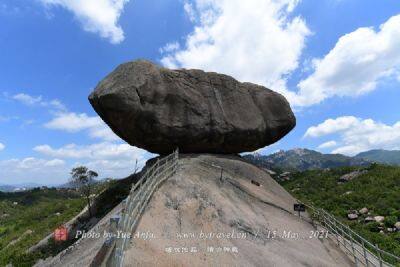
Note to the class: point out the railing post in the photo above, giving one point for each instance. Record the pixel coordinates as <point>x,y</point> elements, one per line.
<point>156,168</point>
<point>379,255</point>
<point>365,254</point>
<point>353,249</point>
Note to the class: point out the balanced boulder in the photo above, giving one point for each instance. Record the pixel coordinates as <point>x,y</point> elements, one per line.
<point>159,109</point>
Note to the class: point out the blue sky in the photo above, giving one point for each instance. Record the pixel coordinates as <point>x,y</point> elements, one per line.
<point>337,62</point>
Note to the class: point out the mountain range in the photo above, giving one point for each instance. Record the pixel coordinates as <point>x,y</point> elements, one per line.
<point>298,159</point>
<point>301,159</point>
<point>18,187</point>
<point>391,157</point>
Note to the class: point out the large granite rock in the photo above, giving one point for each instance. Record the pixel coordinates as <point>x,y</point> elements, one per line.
<point>158,109</point>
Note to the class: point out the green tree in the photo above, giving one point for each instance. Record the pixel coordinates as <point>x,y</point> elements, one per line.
<point>83,179</point>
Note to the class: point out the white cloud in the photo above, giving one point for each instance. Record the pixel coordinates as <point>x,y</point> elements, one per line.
<point>2,146</point>
<point>331,126</point>
<point>97,16</point>
<point>170,47</point>
<point>74,122</point>
<point>357,135</point>
<point>258,41</point>
<point>105,150</point>
<point>31,163</point>
<point>29,100</point>
<point>54,163</point>
<point>328,144</point>
<point>355,66</point>
<point>32,170</point>
<point>109,159</point>
<point>188,7</point>
<point>65,120</point>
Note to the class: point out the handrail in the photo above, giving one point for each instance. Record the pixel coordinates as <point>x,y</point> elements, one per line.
<point>135,203</point>
<point>363,251</point>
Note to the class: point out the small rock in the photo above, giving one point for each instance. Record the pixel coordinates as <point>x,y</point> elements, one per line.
<point>271,172</point>
<point>352,216</point>
<point>391,230</point>
<point>379,219</point>
<point>363,210</point>
<point>350,176</point>
<point>348,193</point>
<point>397,226</point>
<point>381,232</point>
<point>285,174</point>
<point>15,203</point>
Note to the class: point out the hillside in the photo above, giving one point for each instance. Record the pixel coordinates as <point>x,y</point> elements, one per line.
<point>301,159</point>
<point>7,188</point>
<point>17,187</point>
<point>377,190</point>
<point>381,156</point>
<point>27,217</point>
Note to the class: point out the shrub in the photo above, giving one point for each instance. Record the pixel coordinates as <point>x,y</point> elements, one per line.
<point>390,221</point>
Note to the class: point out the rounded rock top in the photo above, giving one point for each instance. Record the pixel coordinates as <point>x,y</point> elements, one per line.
<point>159,110</point>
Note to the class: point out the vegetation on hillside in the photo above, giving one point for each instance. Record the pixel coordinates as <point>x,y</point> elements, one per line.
<point>382,156</point>
<point>36,213</point>
<point>27,217</point>
<point>378,190</point>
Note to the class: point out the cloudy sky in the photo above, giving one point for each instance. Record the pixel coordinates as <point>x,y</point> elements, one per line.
<point>337,62</point>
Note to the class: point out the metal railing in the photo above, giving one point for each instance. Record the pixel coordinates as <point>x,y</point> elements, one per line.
<point>363,252</point>
<point>137,199</point>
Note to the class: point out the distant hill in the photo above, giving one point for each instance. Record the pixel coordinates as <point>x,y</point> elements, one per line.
<point>18,187</point>
<point>73,185</point>
<point>391,157</point>
<point>6,188</point>
<point>301,159</point>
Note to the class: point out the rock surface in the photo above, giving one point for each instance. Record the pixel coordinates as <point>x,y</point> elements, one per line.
<point>379,218</point>
<point>196,201</point>
<point>363,210</point>
<point>397,226</point>
<point>352,175</point>
<point>158,109</point>
<point>352,216</point>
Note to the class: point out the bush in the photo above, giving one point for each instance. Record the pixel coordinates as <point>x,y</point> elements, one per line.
<point>390,221</point>
<point>373,227</point>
